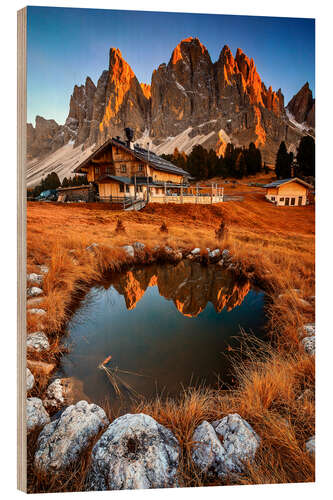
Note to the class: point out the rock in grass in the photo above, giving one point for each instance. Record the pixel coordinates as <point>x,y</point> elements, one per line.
<point>34,291</point>
<point>310,445</point>
<point>226,254</point>
<point>309,329</point>
<point>207,453</point>
<point>63,392</point>
<point>63,440</point>
<point>30,380</point>
<point>195,252</point>
<point>39,312</point>
<point>37,416</point>
<point>214,255</point>
<point>38,341</point>
<point>309,344</point>
<point>226,449</point>
<point>134,452</point>
<point>172,254</point>
<point>55,395</point>
<point>91,248</point>
<point>129,250</point>
<point>35,278</point>
<point>138,246</point>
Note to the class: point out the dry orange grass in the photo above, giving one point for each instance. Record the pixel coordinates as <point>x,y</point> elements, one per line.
<point>274,246</point>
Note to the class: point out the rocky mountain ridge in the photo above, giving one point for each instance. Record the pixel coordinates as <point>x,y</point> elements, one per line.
<point>190,100</point>
<point>302,107</point>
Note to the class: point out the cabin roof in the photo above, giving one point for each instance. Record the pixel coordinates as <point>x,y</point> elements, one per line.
<point>140,153</point>
<point>122,180</point>
<point>70,188</point>
<point>286,181</point>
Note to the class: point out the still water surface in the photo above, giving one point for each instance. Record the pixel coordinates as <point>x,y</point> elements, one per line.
<point>173,325</point>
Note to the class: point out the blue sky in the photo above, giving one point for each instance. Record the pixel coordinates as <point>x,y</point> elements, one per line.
<point>66,45</point>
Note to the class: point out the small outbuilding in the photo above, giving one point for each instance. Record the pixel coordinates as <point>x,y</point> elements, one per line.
<point>288,192</point>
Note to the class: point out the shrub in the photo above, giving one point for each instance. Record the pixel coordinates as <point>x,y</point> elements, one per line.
<point>164,228</point>
<point>220,232</point>
<point>120,228</point>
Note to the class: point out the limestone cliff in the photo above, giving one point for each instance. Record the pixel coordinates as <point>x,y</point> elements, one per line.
<point>191,100</point>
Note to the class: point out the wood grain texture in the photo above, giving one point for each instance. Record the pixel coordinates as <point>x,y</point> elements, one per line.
<point>21,249</point>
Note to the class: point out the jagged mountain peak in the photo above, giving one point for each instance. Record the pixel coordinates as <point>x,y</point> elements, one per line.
<point>189,98</point>
<point>186,47</point>
<point>302,106</point>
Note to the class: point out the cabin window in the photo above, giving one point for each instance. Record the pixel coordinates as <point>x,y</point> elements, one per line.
<point>292,201</point>
<point>108,170</point>
<point>281,199</point>
<point>273,198</point>
<point>127,189</point>
<point>140,168</point>
<point>123,168</point>
<point>121,188</point>
<point>96,170</point>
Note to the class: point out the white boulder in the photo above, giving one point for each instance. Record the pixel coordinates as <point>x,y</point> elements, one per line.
<point>37,416</point>
<point>214,254</point>
<point>38,341</point>
<point>226,448</point>
<point>35,278</point>
<point>30,380</point>
<point>34,291</point>
<point>226,254</point>
<point>310,445</point>
<point>55,395</point>
<point>138,246</point>
<point>63,440</point>
<point>308,330</point>
<point>129,250</point>
<point>195,252</point>
<point>134,452</point>
<point>309,344</point>
<point>39,312</point>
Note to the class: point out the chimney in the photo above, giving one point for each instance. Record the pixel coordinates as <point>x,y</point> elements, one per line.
<point>129,136</point>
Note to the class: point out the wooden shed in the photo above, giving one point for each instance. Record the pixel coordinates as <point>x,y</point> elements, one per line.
<point>288,192</point>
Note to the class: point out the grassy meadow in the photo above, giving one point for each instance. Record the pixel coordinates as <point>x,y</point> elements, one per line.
<point>275,381</point>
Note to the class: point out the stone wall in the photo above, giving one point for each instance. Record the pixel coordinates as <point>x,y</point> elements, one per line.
<point>76,193</point>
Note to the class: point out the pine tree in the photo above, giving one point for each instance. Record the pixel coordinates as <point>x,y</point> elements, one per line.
<point>306,156</point>
<point>283,162</point>
<point>240,165</point>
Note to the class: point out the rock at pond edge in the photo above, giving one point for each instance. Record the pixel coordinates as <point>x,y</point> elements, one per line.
<point>62,441</point>
<point>134,452</point>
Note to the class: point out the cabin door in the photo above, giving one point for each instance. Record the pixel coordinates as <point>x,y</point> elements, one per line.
<point>300,198</point>
<point>287,202</point>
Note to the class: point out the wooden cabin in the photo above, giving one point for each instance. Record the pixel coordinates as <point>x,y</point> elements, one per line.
<point>288,192</point>
<point>120,169</point>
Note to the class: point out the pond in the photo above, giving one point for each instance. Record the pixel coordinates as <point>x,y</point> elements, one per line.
<point>169,326</point>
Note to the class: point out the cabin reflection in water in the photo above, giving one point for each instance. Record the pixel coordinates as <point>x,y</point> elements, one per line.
<point>189,285</point>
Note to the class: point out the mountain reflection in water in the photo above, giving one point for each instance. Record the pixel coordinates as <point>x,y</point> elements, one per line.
<point>188,284</point>
<point>176,325</point>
